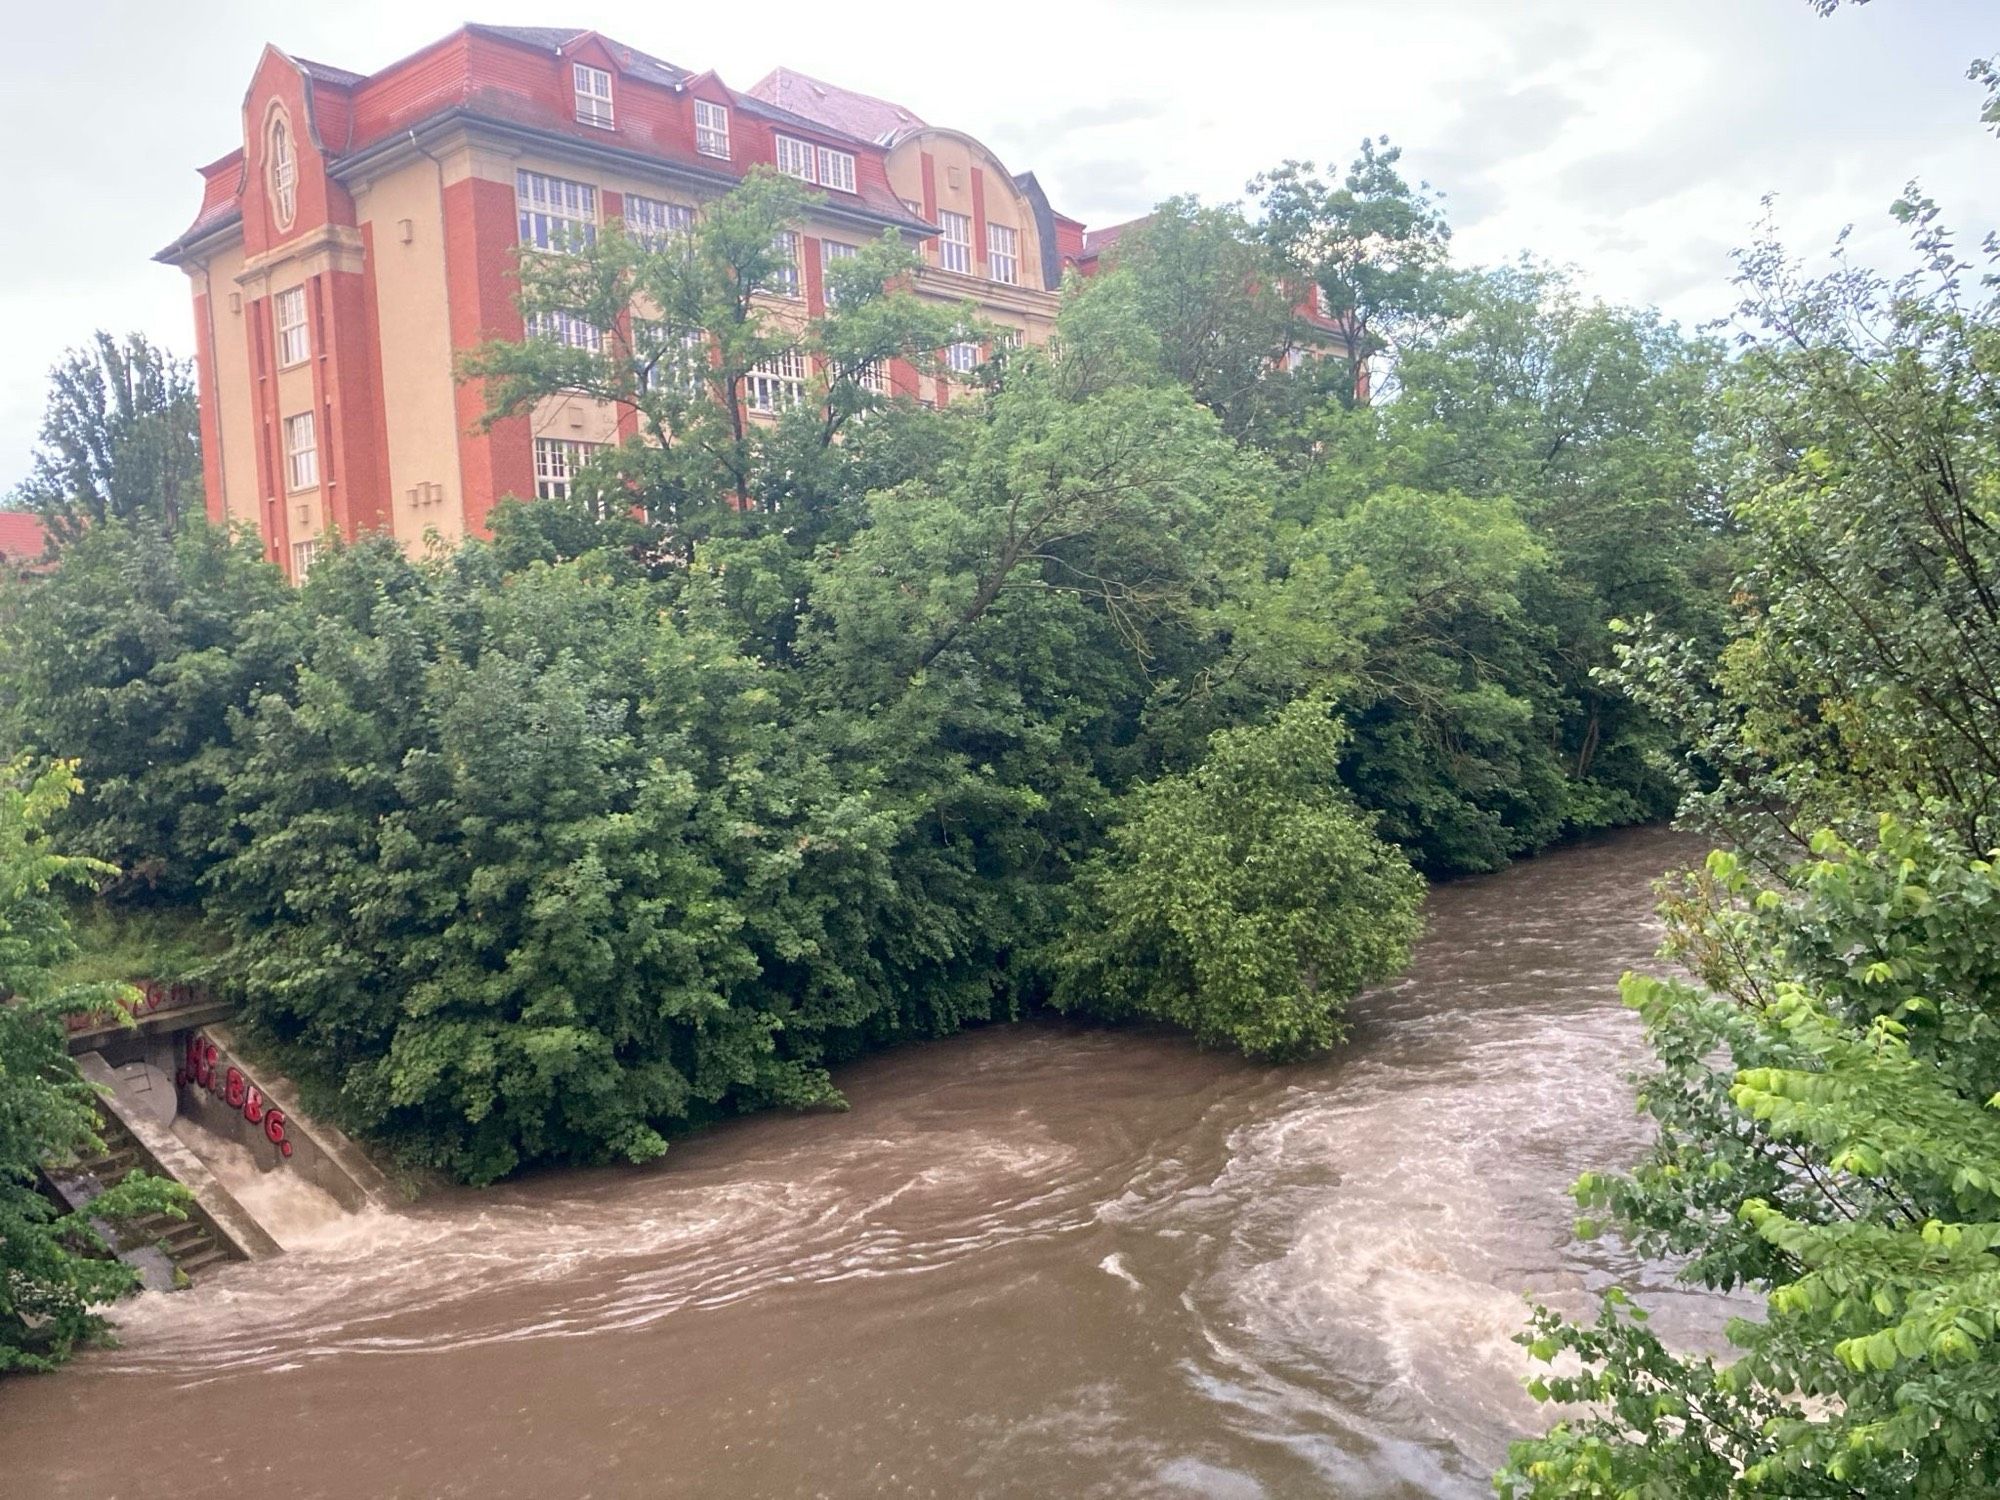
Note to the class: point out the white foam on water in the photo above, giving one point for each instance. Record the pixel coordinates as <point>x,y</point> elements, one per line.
<point>290,1209</point>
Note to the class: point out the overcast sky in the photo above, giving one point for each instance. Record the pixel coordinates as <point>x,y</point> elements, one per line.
<point>1631,139</point>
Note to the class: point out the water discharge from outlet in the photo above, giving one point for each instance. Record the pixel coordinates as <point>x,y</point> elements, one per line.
<point>293,1211</point>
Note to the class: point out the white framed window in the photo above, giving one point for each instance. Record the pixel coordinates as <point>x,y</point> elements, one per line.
<point>593,95</point>
<point>831,251</point>
<point>1002,264</point>
<point>873,377</point>
<point>1322,304</point>
<point>304,555</point>
<point>1010,338</point>
<point>795,158</point>
<point>836,169</point>
<point>777,384</point>
<point>668,361</point>
<point>557,463</point>
<point>653,222</point>
<point>284,173</point>
<point>785,273</point>
<point>555,213</point>
<point>962,358</point>
<point>955,244</point>
<point>301,452</point>
<point>916,209</point>
<point>711,129</point>
<point>566,328</point>
<point>294,342</point>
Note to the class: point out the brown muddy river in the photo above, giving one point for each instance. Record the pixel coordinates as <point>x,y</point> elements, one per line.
<point>1032,1261</point>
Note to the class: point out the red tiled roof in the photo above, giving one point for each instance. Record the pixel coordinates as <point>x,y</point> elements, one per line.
<point>862,115</point>
<point>555,38</point>
<point>1097,241</point>
<point>21,537</point>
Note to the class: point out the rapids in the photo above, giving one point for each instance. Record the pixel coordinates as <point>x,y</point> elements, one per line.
<point>1032,1260</point>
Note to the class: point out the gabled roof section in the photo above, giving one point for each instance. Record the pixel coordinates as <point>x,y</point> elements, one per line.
<point>555,38</point>
<point>860,115</point>
<point>326,73</point>
<point>1097,241</point>
<point>21,537</point>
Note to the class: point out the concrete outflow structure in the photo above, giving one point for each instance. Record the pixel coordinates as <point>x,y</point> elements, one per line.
<point>176,1099</point>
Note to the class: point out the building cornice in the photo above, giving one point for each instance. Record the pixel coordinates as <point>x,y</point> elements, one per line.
<point>461,119</point>
<point>1026,300</point>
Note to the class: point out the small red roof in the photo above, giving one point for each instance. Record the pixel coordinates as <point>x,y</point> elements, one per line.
<point>1097,241</point>
<point>861,115</point>
<point>21,537</point>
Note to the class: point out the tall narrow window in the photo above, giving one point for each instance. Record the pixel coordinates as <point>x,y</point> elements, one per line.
<point>557,463</point>
<point>1002,264</point>
<point>301,452</point>
<point>593,95</point>
<point>555,213</point>
<point>304,555</point>
<point>830,252</point>
<point>836,170</point>
<point>955,244</point>
<point>785,273</point>
<point>294,342</point>
<point>1322,304</point>
<point>711,129</point>
<point>776,384</point>
<point>653,223</point>
<point>284,173</point>
<point>795,158</point>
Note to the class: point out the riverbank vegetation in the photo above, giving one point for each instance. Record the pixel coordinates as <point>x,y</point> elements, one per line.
<point>55,1265</point>
<point>1140,680</point>
<point>1826,1079</point>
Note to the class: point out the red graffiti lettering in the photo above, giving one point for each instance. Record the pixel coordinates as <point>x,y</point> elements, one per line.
<point>253,1105</point>
<point>233,1088</point>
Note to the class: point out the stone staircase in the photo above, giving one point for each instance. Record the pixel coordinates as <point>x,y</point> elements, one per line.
<point>188,1243</point>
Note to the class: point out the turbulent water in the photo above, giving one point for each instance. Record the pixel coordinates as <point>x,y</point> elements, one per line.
<point>1033,1260</point>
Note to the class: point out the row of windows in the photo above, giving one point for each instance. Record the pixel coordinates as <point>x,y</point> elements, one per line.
<point>558,214</point>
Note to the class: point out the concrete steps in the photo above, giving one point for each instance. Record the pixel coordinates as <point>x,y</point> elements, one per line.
<point>188,1244</point>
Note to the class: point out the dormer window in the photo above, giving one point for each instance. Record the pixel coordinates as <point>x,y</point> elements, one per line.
<point>810,163</point>
<point>795,158</point>
<point>284,173</point>
<point>593,95</point>
<point>711,129</point>
<point>836,170</point>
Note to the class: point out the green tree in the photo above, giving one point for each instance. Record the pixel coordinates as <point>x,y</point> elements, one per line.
<point>675,327</point>
<point>128,661</point>
<point>1374,244</point>
<point>1212,292</point>
<point>55,1267</point>
<point>1825,1099</point>
<point>121,440</point>
<point>1246,900</point>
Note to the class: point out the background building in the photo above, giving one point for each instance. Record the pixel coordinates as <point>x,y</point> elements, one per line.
<point>363,236</point>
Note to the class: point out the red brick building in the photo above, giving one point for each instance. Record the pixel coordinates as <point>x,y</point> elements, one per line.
<point>364,236</point>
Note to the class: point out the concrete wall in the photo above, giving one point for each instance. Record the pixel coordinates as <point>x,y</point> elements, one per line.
<point>256,1109</point>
